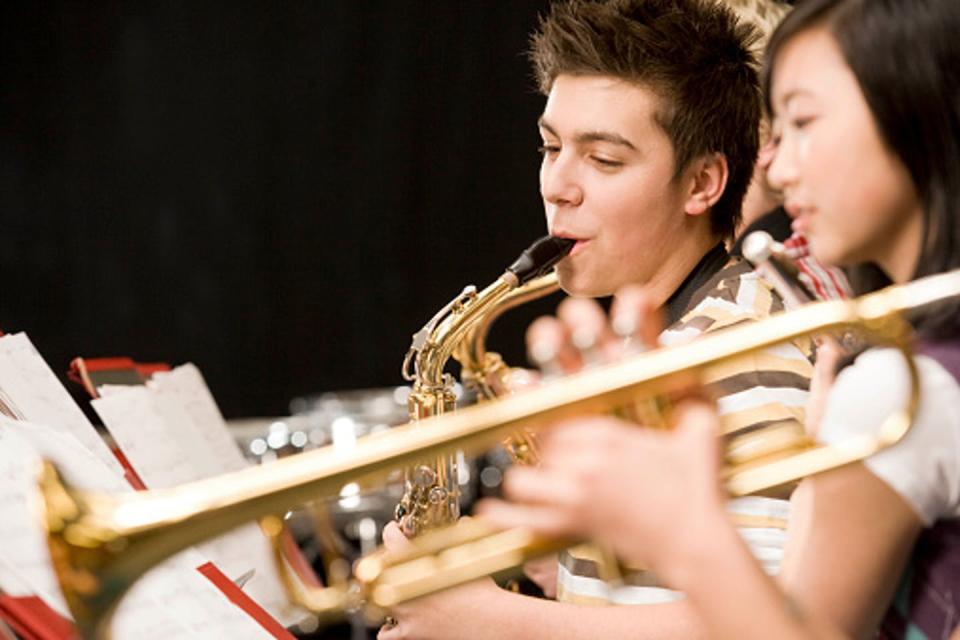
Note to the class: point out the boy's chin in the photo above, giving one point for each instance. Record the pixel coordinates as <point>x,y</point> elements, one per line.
<point>580,285</point>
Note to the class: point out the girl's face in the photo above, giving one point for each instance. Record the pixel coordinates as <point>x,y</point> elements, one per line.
<point>844,188</point>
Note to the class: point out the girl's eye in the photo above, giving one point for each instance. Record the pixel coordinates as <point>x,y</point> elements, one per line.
<point>548,149</point>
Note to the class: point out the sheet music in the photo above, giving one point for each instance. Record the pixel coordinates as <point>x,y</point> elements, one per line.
<point>173,601</point>
<point>24,559</point>
<point>175,407</point>
<point>141,432</point>
<point>172,432</point>
<point>192,606</point>
<point>236,552</point>
<point>36,394</point>
<point>186,388</point>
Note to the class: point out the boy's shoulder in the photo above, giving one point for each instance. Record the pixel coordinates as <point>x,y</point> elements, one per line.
<point>735,294</point>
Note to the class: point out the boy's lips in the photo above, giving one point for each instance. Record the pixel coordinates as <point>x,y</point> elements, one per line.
<point>579,243</point>
<point>578,247</point>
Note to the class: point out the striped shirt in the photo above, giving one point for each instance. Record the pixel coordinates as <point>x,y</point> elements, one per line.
<point>766,390</point>
<point>826,283</point>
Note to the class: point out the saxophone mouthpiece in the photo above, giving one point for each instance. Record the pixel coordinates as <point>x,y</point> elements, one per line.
<point>538,259</point>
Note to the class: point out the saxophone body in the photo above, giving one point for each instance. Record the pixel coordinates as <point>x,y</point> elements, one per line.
<point>431,491</point>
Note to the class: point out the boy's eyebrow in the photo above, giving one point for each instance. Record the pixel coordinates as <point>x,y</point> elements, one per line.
<point>590,136</point>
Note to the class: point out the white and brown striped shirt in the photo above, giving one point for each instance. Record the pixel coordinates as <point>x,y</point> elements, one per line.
<point>765,390</point>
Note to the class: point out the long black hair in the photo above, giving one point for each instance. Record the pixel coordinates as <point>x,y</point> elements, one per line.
<point>905,55</point>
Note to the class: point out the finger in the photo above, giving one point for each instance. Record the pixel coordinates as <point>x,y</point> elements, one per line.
<point>542,519</point>
<point>634,316</point>
<point>393,538</point>
<point>576,437</point>
<point>549,347</point>
<point>540,486</point>
<point>829,354</point>
<point>697,416</point>
<point>390,632</point>
<point>554,442</point>
<point>518,379</point>
<point>697,431</point>
<point>586,324</point>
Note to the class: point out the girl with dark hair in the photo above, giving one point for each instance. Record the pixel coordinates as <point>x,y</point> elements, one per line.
<point>865,96</point>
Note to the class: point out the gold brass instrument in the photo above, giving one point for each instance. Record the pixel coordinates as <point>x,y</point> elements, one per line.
<point>431,496</point>
<point>769,259</point>
<point>101,544</point>
<point>486,373</point>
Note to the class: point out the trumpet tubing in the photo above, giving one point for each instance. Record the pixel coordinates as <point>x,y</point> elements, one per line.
<point>101,544</point>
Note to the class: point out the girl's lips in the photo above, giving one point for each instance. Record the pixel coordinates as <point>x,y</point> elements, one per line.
<point>801,216</point>
<point>801,223</point>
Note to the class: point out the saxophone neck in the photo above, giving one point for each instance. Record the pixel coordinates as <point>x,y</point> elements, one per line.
<point>461,325</point>
<point>434,344</point>
<point>486,370</point>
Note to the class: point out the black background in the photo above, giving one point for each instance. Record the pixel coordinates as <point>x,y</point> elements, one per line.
<point>281,193</point>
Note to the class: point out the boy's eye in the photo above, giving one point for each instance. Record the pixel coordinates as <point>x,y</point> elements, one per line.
<point>548,149</point>
<point>607,162</point>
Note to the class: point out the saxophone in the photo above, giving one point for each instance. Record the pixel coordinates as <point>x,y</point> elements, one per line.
<point>431,495</point>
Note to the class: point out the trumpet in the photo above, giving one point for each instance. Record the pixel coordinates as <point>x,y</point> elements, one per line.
<point>100,544</point>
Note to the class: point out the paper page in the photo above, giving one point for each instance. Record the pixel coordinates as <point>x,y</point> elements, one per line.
<point>172,601</point>
<point>172,432</point>
<point>24,559</point>
<point>36,394</point>
<point>183,604</point>
<point>186,388</point>
<point>139,429</point>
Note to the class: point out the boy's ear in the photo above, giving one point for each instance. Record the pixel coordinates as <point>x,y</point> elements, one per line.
<point>707,177</point>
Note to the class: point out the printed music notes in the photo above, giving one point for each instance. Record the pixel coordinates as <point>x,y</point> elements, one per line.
<point>172,432</point>
<point>31,391</point>
<point>173,601</point>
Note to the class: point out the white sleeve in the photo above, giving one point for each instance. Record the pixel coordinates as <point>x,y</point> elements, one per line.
<point>924,467</point>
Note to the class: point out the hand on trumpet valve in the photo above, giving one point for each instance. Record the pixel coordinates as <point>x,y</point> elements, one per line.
<point>582,334</point>
<point>635,490</point>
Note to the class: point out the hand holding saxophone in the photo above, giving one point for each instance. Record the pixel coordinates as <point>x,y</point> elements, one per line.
<point>434,616</point>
